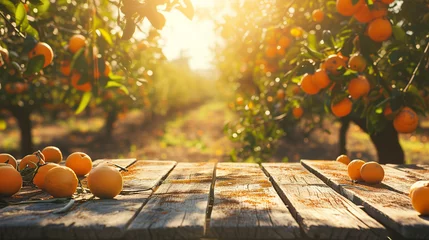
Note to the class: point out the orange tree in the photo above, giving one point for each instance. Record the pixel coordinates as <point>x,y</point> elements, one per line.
<point>298,62</point>
<point>61,53</point>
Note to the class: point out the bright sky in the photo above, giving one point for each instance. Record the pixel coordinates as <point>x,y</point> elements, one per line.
<point>195,38</point>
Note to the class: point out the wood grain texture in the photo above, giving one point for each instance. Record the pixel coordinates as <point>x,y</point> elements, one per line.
<point>321,212</point>
<point>420,170</point>
<point>391,208</point>
<point>246,206</point>
<point>91,219</point>
<point>177,209</point>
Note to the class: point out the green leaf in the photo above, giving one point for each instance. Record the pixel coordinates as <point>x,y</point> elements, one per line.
<point>106,36</point>
<point>35,64</point>
<point>312,42</point>
<point>75,57</point>
<point>399,34</point>
<point>42,6</point>
<point>111,84</point>
<point>8,5</point>
<point>20,14</point>
<point>86,98</point>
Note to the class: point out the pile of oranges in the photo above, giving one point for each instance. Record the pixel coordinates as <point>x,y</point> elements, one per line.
<point>47,174</point>
<point>373,173</point>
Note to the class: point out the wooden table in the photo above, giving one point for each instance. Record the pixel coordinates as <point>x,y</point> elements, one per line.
<point>311,199</point>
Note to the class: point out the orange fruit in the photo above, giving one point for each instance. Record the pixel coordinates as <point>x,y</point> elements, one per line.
<point>80,163</point>
<point>60,182</point>
<point>107,69</point>
<point>423,183</point>
<point>285,42</point>
<point>342,108</point>
<point>353,169</point>
<point>239,101</point>
<point>297,112</point>
<point>406,121</point>
<point>420,198</point>
<point>65,68</point>
<point>280,94</point>
<point>379,10</point>
<point>52,154</point>
<point>76,42</point>
<point>321,78</point>
<point>333,63</point>
<point>363,15</point>
<point>318,15</point>
<point>281,51</point>
<point>105,181</point>
<point>10,180</point>
<point>343,159</point>
<point>372,172</point>
<point>307,84</point>
<point>357,63</point>
<point>39,178</point>
<point>359,87</point>
<point>6,157</point>
<point>271,51</point>
<point>75,78</point>
<point>296,32</point>
<point>44,49</point>
<point>347,8</point>
<point>379,30</point>
<point>31,161</point>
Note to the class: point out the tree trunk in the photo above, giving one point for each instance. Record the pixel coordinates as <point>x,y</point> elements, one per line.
<point>112,116</point>
<point>22,116</point>
<point>386,142</point>
<point>345,124</point>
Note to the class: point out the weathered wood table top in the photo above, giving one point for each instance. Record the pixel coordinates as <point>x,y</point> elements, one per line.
<point>169,200</point>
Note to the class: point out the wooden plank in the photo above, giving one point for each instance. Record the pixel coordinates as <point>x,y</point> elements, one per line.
<point>321,212</point>
<point>90,219</point>
<point>419,170</point>
<point>177,209</point>
<point>391,208</point>
<point>246,206</point>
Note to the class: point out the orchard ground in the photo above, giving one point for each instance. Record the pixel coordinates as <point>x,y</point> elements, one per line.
<point>194,134</point>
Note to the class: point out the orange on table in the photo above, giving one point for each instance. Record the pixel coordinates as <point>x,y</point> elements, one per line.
<point>318,15</point>
<point>39,178</point>
<point>105,181</point>
<point>60,182</point>
<point>10,180</point>
<point>353,169</point>
<point>363,15</point>
<point>359,87</point>
<point>80,163</point>
<point>307,84</point>
<point>321,78</point>
<point>31,161</point>
<point>297,112</point>
<point>379,30</point>
<point>422,183</point>
<point>347,8</point>
<point>343,159</point>
<point>357,63</point>
<point>52,154</point>
<point>333,63</point>
<point>372,172</point>
<point>342,108</point>
<point>75,78</point>
<point>76,42</point>
<point>44,49</point>
<point>6,157</point>
<point>420,198</point>
<point>406,121</point>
